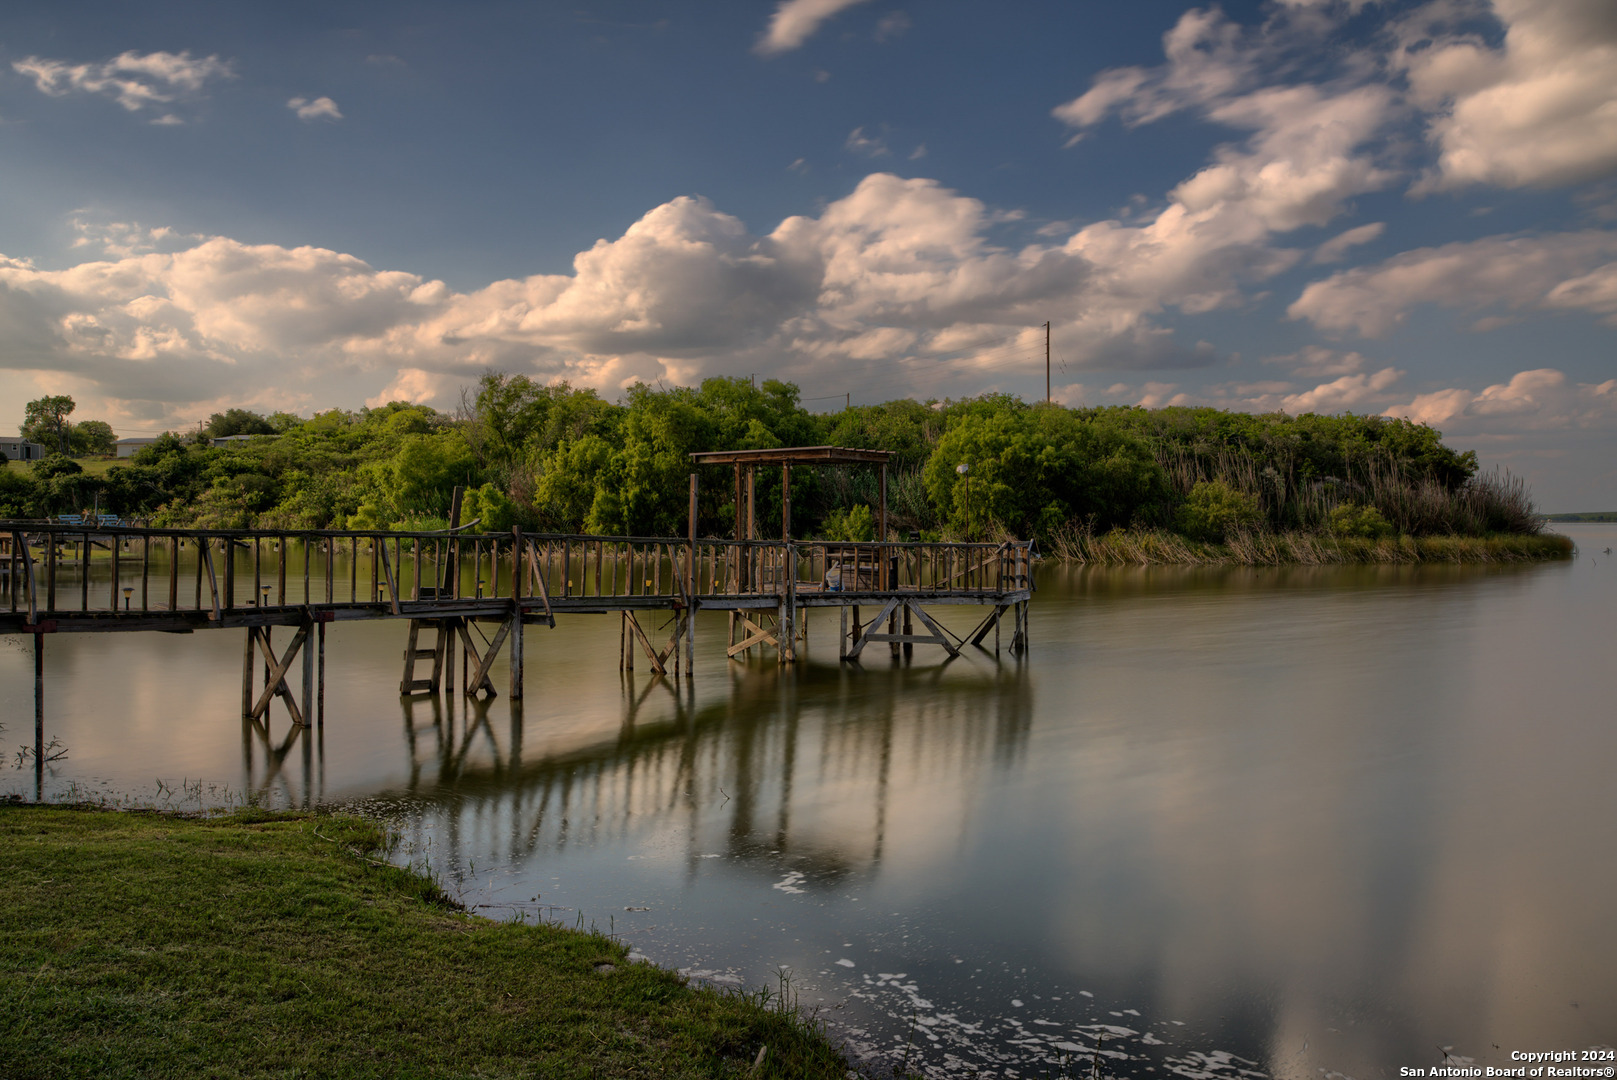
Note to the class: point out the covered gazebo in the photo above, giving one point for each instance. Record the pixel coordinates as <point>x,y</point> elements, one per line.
<point>746,463</point>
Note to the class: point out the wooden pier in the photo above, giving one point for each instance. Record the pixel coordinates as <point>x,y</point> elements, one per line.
<point>477,593</point>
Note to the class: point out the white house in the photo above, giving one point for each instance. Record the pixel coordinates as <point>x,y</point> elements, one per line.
<point>21,450</point>
<point>128,447</point>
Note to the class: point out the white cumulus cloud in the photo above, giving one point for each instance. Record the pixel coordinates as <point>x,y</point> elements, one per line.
<point>1538,109</point>
<point>1542,399</point>
<point>1516,273</point>
<point>134,80</point>
<point>320,108</point>
<point>795,21</point>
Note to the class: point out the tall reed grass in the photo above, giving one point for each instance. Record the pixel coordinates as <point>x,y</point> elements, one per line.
<point>1486,503</point>
<point>1121,547</point>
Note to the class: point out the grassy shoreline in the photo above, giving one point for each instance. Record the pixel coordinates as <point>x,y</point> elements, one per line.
<point>1141,547</point>
<point>278,945</point>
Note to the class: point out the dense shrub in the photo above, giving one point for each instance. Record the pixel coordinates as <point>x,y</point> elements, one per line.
<point>1213,511</point>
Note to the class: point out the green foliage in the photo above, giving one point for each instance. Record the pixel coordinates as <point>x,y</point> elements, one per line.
<point>559,459</point>
<point>1351,519</point>
<point>52,466</point>
<point>45,421</point>
<point>1214,511</point>
<point>491,507</point>
<point>1032,469</point>
<point>237,422</point>
<point>92,437</point>
<point>856,524</point>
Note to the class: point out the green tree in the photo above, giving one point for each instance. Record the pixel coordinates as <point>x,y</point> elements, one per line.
<point>92,437</point>
<point>45,421</point>
<point>237,422</point>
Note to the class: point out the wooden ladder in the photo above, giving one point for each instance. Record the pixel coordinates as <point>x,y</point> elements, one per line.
<point>413,654</point>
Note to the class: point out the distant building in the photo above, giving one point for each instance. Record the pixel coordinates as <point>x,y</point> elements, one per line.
<point>128,447</point>
<point>21,450</point>
<point>226,440</point>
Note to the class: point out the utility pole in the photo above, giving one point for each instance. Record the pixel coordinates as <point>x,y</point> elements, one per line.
<point>1047,363</point>
<point>848,401</point>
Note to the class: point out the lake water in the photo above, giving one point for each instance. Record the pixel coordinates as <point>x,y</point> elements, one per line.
<point>1292,822</point>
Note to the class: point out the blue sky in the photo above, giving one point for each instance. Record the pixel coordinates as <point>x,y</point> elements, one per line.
<point>1306,206</point>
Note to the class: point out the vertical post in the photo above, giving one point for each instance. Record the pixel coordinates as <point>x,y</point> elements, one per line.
<point>752,503</point>
<point>173,573</point>
<point>909,628</point>
<point>112,593</point>
<point>786,502</point>
<point>1047,398</point>
<point>320,676</point>
<point>230,575</point>
<point>881,531</point>
<point>842,636</point>
<point>145,571</point>
<point>39,715</point>
<point>247,675</point>
<point>308,670</point>
<point>690,594</point>
<point>516,650</point>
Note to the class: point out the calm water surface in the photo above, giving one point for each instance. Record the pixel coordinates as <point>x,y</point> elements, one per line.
<point>1232,822</point>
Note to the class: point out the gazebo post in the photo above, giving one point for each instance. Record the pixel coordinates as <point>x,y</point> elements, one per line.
<point>881,528</point>
<point>786,502</point>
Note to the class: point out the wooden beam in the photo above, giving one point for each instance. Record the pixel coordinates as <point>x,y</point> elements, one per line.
<point>942,635</point>
<point>860,639</point>
<point>275,682</point>
<point>387,568</point>
<point>205,548</point>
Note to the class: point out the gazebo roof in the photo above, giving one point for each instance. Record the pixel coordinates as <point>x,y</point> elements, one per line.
<point>793,455</point>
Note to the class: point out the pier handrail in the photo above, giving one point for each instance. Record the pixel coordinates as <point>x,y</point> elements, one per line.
<point>126,570</point>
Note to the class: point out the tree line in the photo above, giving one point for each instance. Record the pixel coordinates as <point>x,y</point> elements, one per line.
<point>558,459</point>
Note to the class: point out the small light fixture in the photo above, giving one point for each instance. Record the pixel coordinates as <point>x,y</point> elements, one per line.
<point>128,591</point>
<point>264,599</point>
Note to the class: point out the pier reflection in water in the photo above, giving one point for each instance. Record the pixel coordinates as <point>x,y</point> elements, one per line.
<point>1219,822</point>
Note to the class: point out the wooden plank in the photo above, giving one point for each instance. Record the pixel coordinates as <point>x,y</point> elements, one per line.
<point>539,576</point>
<point>21,542</point>
<point>392,582</point>
<point>206,551</point>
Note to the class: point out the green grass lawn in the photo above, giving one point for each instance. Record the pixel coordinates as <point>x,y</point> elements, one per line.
<point>93,466</point>
<point>148,945</point>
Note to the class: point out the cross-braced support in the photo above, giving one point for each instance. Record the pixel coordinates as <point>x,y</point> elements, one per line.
<point>855,644</point>
<point>275,672</point>
<point>635,634</point>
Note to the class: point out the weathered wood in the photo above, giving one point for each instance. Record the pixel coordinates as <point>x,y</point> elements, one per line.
<point>392,581</point>
<point>860,639</point>
<point>941,633</point>
<point>213,579</point>
<point>275,682</point>
<point>481,680</point>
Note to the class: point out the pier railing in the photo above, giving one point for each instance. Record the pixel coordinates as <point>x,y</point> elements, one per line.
<point>47,569</point>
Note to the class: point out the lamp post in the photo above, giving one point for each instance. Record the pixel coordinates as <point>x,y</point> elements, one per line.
<point>263,600</point>
<point>965,470</point>
<point>128,590</point>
